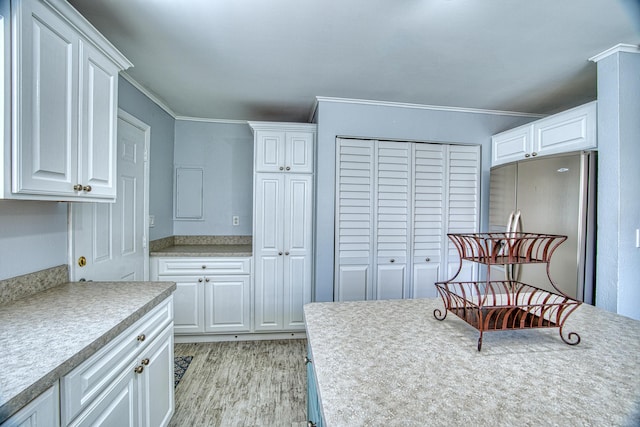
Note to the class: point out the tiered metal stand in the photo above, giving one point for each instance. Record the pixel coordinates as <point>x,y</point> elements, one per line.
<point>506,304</point>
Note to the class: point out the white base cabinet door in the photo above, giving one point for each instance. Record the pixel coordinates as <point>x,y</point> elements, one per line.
<point>155,381</point>
<point>188,304</point>
<point>227,302</point>
<point>43,411</point>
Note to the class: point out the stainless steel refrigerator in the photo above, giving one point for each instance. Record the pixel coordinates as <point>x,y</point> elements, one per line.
<point>553,195</point>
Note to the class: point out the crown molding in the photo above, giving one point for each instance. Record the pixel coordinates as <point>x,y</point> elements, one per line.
<point>622,47</point>
<point>290,126</point>
<point>206,120</point>
<point>421,107</point>
<point>146,92</point>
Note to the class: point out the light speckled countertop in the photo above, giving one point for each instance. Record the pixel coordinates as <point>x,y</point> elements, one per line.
<point>391,363</point>
<point>223,250</point>
<point>46,335</point>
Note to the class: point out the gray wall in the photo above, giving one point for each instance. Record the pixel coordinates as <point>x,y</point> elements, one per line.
<point>336,118</point>
<point>618,258</point>
<point>162,125</point>
<point>225,152</point>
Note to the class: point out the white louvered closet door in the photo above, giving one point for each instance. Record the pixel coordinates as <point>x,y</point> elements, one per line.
<point>392,213</point>
<point>354,220</point>
<point>463,209</point>
<point>429,194</point>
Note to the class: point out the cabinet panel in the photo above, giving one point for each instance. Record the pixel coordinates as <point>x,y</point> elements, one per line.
<point>299,152</point>
<point>206,265</point>
<point>43,411</point>
<point>354,282</point>
<point>269,149</point>
<point>511,145</point>
<point>97,167</point>
<point>568,131</point>
<point>188,304</point>
<point>156,381</point>
<point>268,292</point>
<point>390,281</point>
<point>46,132</point>
<point>269,200</point>
<point>425,275</point>
<point>227,304</point>
<point>297,289</point>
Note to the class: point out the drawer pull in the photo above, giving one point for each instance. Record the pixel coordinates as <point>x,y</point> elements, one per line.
<point>141,337</point>
<point>138,369</point>
<point>145,361</point>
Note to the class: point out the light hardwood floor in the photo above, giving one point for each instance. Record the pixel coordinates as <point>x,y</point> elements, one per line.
<point>242,383</point>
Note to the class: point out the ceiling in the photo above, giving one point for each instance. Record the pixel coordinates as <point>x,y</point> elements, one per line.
<point>269,59</point>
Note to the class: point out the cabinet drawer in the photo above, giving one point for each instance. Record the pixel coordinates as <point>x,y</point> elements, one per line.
<point>88,380</point>
<point>204,266</point>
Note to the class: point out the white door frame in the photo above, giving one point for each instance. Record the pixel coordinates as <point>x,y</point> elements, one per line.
<point>146,129</point>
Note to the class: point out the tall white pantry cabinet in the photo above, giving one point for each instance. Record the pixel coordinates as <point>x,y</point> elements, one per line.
<point>395,203</point>
<point>282,224</point>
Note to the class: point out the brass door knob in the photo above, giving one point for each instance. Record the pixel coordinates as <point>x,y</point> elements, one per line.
<point>82,261</point>
<point>138,369</point>
<point>86,188</point>
<point>145,361</point>
<point>141,337</point>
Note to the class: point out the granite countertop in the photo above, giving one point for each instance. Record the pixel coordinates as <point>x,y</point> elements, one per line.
<point>392,363</point>
<point>46,335</point>
<point>198,250</point>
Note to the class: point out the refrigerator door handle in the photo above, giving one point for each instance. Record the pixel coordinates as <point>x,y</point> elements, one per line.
<point>510,222</point>
<point>517,222</point>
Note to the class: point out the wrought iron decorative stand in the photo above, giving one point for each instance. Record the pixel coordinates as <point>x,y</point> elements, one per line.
<point>506,304</point>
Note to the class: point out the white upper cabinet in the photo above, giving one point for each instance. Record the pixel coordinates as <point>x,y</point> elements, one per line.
<point>571,130</point>
<point>278,150</point>
<point>64,106</point>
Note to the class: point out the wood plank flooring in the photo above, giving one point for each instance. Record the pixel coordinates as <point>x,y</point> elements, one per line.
<point>242,383</point>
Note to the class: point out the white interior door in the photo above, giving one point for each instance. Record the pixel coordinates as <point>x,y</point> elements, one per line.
<point>112,236</point>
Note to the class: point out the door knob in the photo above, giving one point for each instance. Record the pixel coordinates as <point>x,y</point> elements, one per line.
<point>86,188</point>
<point>77,187</point>
<point>82,261</point>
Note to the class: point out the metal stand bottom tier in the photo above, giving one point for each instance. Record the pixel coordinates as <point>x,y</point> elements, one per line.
<point>506,305</point>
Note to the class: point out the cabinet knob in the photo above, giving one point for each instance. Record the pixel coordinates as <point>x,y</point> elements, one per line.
<point>427,259</point>
<point>527,155</point>
<point>392,260</point>
<point>77,187</point>
<point>279,253</point>
<point>281,168</point>
<point>141,337</point>
<point>534,154</point>
<point>307,360</point>
<point>145,361</point>
<point>286,253</point>
<point>204,267</point>
<point>86,188</point>
<point>288,168</point>
<point>206,280</point>
<point>138,369</point>
<point>200,280</point>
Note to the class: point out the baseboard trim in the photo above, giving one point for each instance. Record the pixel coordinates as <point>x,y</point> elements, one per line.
<point>183,339</point>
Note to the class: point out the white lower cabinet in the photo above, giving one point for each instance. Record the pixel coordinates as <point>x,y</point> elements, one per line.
<point>43,411</point>
<point>213,295</point>
<point>129,382</point>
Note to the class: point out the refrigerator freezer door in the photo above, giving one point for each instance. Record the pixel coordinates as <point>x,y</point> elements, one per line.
<point>502,197</point>
<point>551,197</point>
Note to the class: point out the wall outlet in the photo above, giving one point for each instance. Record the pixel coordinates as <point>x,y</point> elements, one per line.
<point>152,221</point>
<point>235,220</point>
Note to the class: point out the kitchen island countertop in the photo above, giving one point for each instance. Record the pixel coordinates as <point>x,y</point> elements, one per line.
<point>45,335</point>
<point>392,363</point>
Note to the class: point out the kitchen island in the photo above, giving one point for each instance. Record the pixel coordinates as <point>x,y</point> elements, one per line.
<point>392,363</point>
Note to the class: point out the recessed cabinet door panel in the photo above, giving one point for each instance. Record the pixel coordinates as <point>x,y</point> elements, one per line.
<point>156,381</point>
<point>425,275</point>
<point>511,145</point>
<point>269,188</point>
<point>354,281</point>
<point>99,112</point>
<point>270,151</point>
<point>46,71</point>
<point>390,281</point>
<point>299,152</point>
<point>187,304</point>
<point>268,289</point>
<point>227,303</point>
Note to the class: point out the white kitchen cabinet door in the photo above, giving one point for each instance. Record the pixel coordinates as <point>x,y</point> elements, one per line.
<point>45,128</point>
<point>512,145</point>
<point>298,233</point>
<point>287,149</point>
<point>571,130</point>
<point>269,252</point>
<point>98,103</point>
<point>227,304</point>
<point>355,220</point>
<point>43,411</point>
<point>156,381</point>
<point>188,303</point>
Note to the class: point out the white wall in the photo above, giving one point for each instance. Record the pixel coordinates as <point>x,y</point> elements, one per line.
<point>225,152</point>
<point>336,118</point>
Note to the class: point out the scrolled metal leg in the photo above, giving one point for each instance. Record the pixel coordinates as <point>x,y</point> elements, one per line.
<point>437,313</point>
<point>572,338</point>
<point>480,342</point>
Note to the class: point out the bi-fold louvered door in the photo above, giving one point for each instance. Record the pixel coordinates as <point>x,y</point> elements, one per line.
<point>395,203</point>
